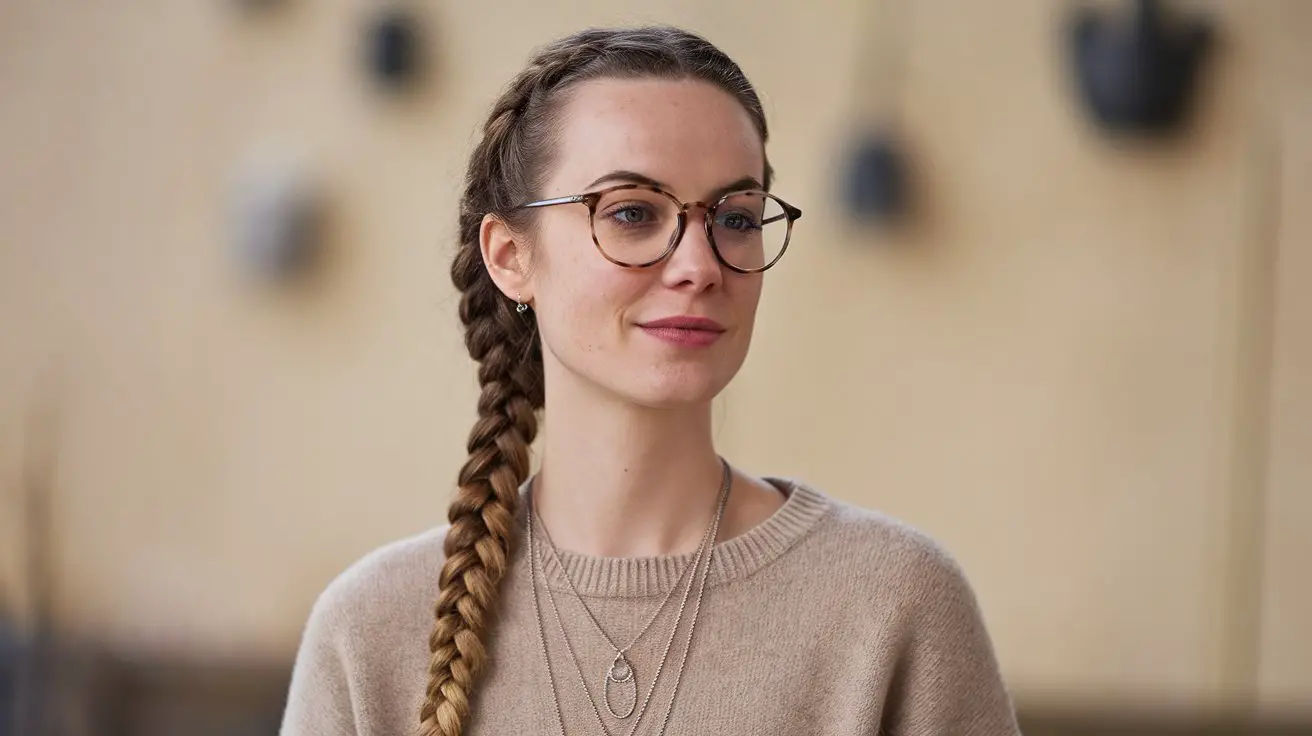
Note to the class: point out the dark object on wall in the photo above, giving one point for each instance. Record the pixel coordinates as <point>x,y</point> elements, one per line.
<point>876,186</point>
<point>277,217</point>
<point>1138,76</point>
<point>875,183</point>
<point>395,49</point>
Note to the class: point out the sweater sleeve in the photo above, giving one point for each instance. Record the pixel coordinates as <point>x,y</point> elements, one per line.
<point>319,702</point>
<point>946,678</point>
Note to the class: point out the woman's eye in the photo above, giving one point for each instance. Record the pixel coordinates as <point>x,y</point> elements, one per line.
<point>631,215</point>
<point>737,221</point>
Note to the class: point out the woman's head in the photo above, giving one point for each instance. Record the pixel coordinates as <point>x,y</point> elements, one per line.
<point>644,106</point>
<point>603,108</point>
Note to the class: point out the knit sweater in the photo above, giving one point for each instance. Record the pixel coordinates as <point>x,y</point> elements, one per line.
<point>824,619</point>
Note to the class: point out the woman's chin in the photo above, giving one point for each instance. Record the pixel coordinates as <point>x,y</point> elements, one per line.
<point>657,385</point>
<point>678,392</point>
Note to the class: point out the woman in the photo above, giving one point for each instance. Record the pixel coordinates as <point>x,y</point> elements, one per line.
<point>614,230</point>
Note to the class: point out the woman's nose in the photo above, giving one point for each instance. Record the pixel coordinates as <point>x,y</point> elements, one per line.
<point>693,261</point>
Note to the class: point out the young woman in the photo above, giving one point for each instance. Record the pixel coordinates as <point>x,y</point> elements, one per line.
<point>616,223</point>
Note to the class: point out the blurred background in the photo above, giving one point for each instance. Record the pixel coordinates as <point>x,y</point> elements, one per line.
<point>1051,302</point>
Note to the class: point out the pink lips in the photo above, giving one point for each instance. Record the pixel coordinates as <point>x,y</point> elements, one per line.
<point>684,331</point>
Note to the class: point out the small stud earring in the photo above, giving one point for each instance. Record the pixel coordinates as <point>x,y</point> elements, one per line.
<point>520,306</point>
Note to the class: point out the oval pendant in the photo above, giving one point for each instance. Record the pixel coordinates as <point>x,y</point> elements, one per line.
<point>620,677</point>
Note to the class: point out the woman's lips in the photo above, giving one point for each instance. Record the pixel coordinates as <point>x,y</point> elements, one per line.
<point>684,331</point>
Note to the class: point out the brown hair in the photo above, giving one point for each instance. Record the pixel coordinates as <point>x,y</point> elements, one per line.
<point>506,169</point>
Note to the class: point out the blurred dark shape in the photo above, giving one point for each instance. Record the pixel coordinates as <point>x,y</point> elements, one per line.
<point>1138,76</point>
<point>11,679</point>
<point>395,49</point>
<point>65,688</point>
<point>876,185</point>
<point>278,217</point>
<point>256,5</point>
<point>875,175</point>
<point>200,698</point>
<point>56,690</point>
<point>1137,721</point>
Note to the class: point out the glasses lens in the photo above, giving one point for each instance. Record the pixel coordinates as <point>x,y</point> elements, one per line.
<point>750,229</point>
<point>634,226</point>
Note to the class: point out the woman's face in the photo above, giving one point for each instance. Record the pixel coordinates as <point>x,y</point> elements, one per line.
<point>597,319</point>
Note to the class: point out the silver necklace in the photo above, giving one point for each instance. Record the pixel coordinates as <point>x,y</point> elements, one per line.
<point>621,672</point>
<point>703,554</point>
<point>578,668</point>
<point>665,655</point>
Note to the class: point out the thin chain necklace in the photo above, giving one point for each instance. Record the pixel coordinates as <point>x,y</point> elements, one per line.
<point>578,668</point>
<point>703,553</point>
<point>574,659</point>
<point>621,671</point>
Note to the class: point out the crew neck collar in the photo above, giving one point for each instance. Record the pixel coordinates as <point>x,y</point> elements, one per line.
<point>731,559</point>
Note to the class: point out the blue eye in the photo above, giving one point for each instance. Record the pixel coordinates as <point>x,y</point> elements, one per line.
<point>736,221</point>
<point>630,215</point>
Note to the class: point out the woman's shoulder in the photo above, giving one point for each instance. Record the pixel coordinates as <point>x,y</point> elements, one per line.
<point>929,627</point>
<point>395,580</point>
<point>871,546</point>
<point>364,639</point>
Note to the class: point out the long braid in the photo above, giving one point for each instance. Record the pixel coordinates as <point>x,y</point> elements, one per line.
<point>504,170</point>
<point>480,541</point>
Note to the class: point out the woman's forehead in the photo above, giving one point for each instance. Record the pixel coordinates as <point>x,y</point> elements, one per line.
<point>688,134</point>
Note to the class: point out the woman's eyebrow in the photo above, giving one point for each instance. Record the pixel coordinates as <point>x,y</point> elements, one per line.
<point>621,175</point>
<point>747,182</point>
<point>627,176</point>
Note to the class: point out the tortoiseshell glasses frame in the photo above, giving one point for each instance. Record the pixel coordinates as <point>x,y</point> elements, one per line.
<point>591,200</point>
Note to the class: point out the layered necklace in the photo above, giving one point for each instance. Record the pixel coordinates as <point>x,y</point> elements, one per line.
<point>621,676</point>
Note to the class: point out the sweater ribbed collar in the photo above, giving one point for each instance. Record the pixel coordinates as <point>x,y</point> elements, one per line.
<point>632,577</point>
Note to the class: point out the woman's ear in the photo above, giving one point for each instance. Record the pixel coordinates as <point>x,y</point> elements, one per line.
<point>506,257</point>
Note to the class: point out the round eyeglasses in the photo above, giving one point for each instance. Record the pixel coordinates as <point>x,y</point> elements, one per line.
<point>638,225</point>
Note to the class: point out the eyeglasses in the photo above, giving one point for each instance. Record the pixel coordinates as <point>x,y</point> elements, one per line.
<point>638,225</point>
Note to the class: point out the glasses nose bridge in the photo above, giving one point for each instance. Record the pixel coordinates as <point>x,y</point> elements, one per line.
<point>685,216</point>
<point>684,207</point>
<point>683,219</point>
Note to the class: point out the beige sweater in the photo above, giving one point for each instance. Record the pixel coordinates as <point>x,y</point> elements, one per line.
<point>824,619</point>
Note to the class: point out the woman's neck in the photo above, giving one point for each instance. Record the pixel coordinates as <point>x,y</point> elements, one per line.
<point>619,480</point>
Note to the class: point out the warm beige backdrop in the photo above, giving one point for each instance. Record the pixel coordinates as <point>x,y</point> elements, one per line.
<point>1087,369</point>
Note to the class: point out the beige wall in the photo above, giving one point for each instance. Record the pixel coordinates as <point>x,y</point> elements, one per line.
<point>1087,369</point>
<point>1285,676</point>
